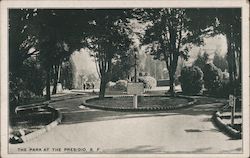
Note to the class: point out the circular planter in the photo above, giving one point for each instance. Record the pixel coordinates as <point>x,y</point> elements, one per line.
<point>88,103</point>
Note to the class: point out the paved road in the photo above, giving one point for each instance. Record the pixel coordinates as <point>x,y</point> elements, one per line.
<point>85,130</point>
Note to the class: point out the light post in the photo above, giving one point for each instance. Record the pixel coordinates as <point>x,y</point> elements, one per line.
<point>135,66</point>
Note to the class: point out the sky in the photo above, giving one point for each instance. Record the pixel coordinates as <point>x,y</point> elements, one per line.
<point>211,44</point>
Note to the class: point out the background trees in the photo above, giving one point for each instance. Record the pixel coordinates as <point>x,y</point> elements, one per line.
<point>40,40</point>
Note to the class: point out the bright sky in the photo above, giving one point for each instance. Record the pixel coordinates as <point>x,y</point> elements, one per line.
<point>218,43</point>
<point>83,62</point>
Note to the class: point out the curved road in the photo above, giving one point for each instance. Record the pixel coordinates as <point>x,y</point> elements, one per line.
<point>85,130</point>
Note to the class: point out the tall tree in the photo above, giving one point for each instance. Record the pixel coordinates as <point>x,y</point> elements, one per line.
<point>108,38</point>
<point>59,33</point>
<point>169,34</point>
<point>230,25</point>
<point>20,50</point>
<point>20,41</point>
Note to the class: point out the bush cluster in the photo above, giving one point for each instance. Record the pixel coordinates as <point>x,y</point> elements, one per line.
<point>121,85</point>
<point>191,80</point>
<point>214,80</point>
<point>148,81</point>
<point>18,93</point>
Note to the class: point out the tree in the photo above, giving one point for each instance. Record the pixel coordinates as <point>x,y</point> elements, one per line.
<point>55,44</point>
<point>20,52</point>
<point>20,41</point>
<point>122,67</point>
<point>108,38</point>
<point>67,74</point>
<point>169,35</point>
<point>230,26</point>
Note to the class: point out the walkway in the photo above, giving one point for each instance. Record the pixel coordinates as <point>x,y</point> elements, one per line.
<point>85,130</point>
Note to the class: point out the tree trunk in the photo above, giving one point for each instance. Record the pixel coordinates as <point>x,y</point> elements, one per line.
<point>102,87</point>
<point>172,83</point>
<point>231,60</point>
<point>48,84</point>
<point>55,80</point>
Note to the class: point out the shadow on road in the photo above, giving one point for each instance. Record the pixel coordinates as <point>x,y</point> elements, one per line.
<point>99,115</point>
<point>147,149</point>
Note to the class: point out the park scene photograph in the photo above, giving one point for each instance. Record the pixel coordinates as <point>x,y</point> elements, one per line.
<point>125,81</point>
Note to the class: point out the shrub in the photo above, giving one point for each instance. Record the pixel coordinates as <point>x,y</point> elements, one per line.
<point>18,93</point>
<point>224,89</point>
<point>148,81</point>
<point>228,88</point>
<point>121,85</point>
<point>191,80</point>
<point>212,79</point>
<point>110,84</point>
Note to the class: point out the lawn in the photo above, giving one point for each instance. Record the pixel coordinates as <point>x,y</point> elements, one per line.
<point>127,102</point>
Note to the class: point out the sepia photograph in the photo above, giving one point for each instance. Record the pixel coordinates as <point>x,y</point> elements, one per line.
<point>125,79</point>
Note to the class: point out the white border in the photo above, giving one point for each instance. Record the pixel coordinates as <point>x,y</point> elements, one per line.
<point>123,4</point>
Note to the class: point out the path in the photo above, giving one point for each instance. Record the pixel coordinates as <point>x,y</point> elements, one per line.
<point>180,131</point>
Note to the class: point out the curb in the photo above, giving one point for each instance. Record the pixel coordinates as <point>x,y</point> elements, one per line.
<point>73,97</point>
<point>124,109</point>
<point>228,130</point>
<point>32,107</point>
<point>45,129</point>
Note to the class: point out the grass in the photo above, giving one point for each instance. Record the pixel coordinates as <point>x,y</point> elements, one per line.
<point>30,122</point>
<point>127,102</point>
<point>33,100</point>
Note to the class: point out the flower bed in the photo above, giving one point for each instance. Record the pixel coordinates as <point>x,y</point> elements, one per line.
<point>125,103</point>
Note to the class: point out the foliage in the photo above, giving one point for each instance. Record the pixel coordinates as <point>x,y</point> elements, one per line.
<point>20,44</point>
<point>170,33</point>
<point>191,80</point>
<point>33,76</point>
<point>110,84</point>
<point>212,78</point>
<point>67,74</point>
<point>227,21</point>
<point>108,39</point>
<point>15,87</point>
<point>122,67</point>
<point>121,85</point>
<point>220,62</point>
<point>20,41</point>
<point>229,24</point>
<point>148,81</point>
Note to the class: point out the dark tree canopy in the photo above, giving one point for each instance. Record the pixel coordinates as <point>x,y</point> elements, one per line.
<point>108,40</point>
